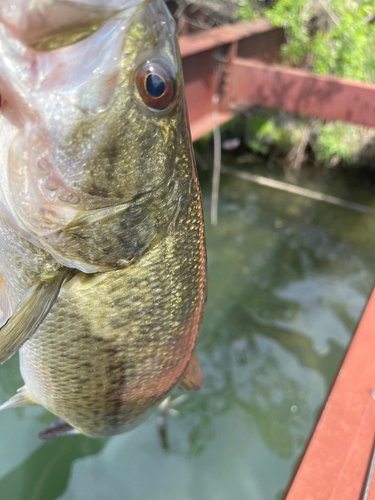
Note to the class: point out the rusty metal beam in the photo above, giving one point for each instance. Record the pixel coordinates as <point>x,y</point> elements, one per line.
<point>256,39</point>
<point>225,35</point>
<point>302,92</point>
<point>251,78</point>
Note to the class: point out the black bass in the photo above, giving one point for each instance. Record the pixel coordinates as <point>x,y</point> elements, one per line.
<point>103,260</point>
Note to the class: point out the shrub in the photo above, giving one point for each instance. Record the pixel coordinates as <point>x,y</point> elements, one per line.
<point>335,37</point>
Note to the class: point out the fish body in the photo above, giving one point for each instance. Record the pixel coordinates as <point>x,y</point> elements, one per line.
<point>103,260</point>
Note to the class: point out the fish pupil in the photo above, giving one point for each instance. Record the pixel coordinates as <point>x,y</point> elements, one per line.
<point>155,86</point>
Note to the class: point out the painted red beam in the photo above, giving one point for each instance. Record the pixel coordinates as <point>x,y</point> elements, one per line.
<point>200,88</point>
<point>336,461</point>
<point>302,92</point>
<point>216,37</point>
<point>256,39</point>
<point>251,78</point>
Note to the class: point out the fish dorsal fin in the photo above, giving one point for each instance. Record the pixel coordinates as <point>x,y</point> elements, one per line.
<point>22,398</point>
<point>58,428</point>
<point>30,313</point>
<point>193,376</point>
<point>5,305</point>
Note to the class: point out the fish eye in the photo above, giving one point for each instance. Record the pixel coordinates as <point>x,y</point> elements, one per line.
<point>156,85</point>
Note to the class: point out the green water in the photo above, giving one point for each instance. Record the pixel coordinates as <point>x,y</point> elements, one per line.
<point>289,279</point>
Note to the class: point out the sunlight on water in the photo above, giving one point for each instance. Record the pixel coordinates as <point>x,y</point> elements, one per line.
<point>288,281</point>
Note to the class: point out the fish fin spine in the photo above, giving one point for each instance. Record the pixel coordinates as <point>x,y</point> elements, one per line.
<point>58,428</point>
<point>30,313</point>
<point>192,379</point>
<point>22,398</point>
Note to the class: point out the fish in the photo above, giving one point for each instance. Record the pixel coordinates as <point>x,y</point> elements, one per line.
<point>103,269</point>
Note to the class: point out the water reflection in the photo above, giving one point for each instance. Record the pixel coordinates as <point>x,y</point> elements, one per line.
<point>288,281</point>
<point>45,473</point>
<point>301,292</point>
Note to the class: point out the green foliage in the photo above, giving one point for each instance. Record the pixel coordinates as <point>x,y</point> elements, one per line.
<point>333,37</point>
<point>334,141</point>
<point>293,16</point>
<point>339,142</point>
<point>347,50</point>
<point>264,133</point>
<point>248,10</point>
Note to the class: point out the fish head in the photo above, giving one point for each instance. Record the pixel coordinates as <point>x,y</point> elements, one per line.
<point>97,150</point>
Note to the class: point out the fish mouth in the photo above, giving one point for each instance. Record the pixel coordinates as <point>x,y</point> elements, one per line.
<point>45,25</point>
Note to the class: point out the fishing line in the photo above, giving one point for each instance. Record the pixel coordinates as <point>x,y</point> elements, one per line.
<point>219,60</point>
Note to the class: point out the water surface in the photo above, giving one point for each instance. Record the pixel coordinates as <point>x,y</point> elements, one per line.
<point>289,278</point>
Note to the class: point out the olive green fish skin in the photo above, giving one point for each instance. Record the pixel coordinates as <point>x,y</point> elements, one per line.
<point>116,342</point>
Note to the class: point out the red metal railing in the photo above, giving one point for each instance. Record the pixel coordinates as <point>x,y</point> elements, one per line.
<point>250,77</point>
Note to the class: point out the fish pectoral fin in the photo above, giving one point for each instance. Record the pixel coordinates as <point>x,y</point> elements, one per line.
<point>58,428</point>
<point>5,305</point>
<point>22,398</point>
<point>30,313</point>
<point>192,379</point>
